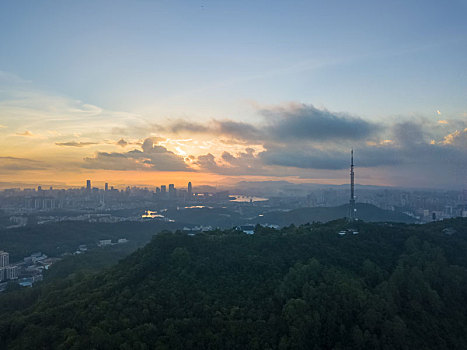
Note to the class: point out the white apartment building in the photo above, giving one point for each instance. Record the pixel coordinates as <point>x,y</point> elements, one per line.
<point>4,258</point>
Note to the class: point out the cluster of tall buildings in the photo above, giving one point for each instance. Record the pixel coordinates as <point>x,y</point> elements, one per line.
<point>17,201</point>
<point>7,271</point>
<point>106,186</point>
<point>161,192</point>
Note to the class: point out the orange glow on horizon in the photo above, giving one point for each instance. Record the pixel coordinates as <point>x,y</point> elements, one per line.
<point>152,179</point>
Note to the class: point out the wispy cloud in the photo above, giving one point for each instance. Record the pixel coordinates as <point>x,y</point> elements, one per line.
<point>19,164</point>
<point>23,106</point>
<point>25,133</point>
<point>124,143</point>
<point>76,144</point>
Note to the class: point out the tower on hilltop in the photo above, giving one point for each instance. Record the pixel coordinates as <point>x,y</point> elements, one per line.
<point>352,208</point>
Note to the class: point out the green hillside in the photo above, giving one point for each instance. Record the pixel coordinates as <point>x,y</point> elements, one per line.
<point>55,239</point>
<point>392,286</point>
<point>365,212</point>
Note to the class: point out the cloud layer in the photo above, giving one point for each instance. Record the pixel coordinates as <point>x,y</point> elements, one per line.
<point>152,157</point>
<point>281,124</point>
<point>305,122</point>
<point>76,143</point>
<point>307,139</point>
<point>287,140</point>
<point>301,140</point>
<point>19,164</point>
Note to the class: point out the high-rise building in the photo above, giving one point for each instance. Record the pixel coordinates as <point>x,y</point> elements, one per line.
<point>4,259</point>
<point>172,191</point>
<point>163,189</point>
<point>2,274</point>
<point>106,186</point>
<point>88,185</point>
<point>190,190</point>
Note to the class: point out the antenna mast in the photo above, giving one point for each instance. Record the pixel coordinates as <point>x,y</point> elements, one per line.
<point>352,209</point>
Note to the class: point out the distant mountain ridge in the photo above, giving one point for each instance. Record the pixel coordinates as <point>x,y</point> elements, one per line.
<point>365,212</point>
<point>281,188</point>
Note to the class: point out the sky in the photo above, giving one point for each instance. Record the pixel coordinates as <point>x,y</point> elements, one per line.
<point>151,92</point>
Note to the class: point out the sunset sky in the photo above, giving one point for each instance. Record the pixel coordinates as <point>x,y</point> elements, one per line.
<point>151,92</point>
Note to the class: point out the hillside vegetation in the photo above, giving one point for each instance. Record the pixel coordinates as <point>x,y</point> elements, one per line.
<point>389,287</point>
<point>365,212</point>
<point>55,239</point>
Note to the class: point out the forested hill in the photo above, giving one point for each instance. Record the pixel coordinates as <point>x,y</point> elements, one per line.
<point>388,287</point>
<point>365,212</point>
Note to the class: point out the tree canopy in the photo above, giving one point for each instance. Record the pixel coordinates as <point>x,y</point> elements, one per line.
<point>392,286</point>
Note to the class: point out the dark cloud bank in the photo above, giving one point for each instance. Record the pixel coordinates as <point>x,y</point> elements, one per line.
<point>284,124</point>
<point>303,137</point>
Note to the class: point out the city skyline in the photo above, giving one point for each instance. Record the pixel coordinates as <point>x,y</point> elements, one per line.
<point>139,93</point>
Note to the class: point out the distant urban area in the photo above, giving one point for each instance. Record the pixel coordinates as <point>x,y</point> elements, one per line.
<point>108,204</point>
<point>192,210</point>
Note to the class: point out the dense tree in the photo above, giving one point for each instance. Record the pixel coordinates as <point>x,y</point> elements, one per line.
<point>389,287</point>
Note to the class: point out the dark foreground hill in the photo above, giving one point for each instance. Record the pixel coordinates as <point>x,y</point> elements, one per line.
<point>365,212</point>
<point>388,287</point>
